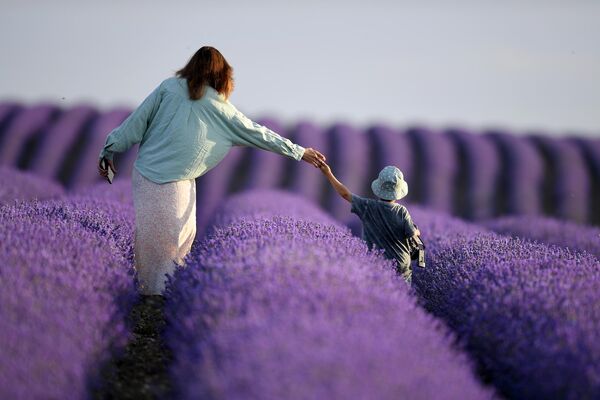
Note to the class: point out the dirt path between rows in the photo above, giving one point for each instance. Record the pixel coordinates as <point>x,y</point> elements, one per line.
<point>142,371</point>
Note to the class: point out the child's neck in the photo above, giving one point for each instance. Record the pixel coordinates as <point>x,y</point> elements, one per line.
<point>387,201</point>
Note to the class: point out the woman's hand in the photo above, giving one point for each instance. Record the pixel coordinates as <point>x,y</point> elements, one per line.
<point>104,171</point>
<point>313,157</point>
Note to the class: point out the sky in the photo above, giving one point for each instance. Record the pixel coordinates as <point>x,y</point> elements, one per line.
<point>526,66</point>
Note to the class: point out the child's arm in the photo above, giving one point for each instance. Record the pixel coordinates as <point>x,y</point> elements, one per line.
<point>337,185</point>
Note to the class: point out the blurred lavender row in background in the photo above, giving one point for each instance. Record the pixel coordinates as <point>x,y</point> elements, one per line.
<point>471,174</point>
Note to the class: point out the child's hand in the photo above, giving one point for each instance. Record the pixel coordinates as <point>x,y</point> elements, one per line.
<point>325,168</point>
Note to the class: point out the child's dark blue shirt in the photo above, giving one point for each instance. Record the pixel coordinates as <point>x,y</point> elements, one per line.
<point>387,226</point>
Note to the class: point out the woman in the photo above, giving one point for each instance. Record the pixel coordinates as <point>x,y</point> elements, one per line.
<point>185,127</point>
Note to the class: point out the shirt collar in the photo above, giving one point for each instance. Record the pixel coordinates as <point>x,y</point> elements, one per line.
<point>212,92</point>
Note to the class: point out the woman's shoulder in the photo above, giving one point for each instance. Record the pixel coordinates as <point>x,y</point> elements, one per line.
<point>174,88</point>
<point>173,82</point>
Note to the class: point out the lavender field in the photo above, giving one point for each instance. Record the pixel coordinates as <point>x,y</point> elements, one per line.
<point>470,174</point>
<point>278,298</point>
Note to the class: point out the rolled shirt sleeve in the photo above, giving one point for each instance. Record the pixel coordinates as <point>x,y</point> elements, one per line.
<point>245,132</point>
<point>131,131</point>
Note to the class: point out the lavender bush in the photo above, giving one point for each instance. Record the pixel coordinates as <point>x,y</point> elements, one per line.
<point>57,148</point>
<point>552,325</point>
<point>280,307</point>
<point>435,169</point>
<point>525,310</point>
<point>120,191</point>
<point>567,183</point>
<point>212,187</point>
<point>26,126</point>
<point>475,193</point>
<point>8,110</point>
<point>257,204</point>
<point>17,185</point>
<point>67,288</point>
<point>590,148</point>
<point>521,180</point>
<point>308,182</point>
<point>550,231</point>
<point>350,162</point>
<point>102,217</point>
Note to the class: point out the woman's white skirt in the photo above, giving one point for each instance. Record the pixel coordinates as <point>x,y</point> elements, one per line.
<point>165,227</point>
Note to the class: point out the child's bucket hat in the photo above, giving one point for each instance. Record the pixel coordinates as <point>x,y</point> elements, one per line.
<point>390,185</point>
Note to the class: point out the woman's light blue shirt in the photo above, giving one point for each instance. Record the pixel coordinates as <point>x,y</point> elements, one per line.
<point>182,138</point>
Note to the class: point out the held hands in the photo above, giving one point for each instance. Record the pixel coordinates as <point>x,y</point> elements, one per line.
<point>104,171</point>
<point>313,157</point>
<point>325,168</point>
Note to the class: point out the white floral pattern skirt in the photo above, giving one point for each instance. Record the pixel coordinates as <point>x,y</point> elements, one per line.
<point>165,228</point>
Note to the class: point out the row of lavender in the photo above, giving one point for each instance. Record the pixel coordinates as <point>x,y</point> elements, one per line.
<point>527,311</point>
<point>471,174</point>
<point>280,301</point>
<point>67,287</point>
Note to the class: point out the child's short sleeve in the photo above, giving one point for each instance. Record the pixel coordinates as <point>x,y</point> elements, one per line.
<point>409,226</point>
<point>359,204</point>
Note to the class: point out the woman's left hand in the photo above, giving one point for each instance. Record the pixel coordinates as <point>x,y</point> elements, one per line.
<point>313,157</point>
<point>104,171</point>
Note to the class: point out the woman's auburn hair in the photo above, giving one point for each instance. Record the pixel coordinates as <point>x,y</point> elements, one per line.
<point>207,67</point>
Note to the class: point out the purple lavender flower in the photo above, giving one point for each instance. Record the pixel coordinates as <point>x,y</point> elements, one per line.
<point>590,148</point>
<point>550,231</point>
<point>435,170</point>
<point>477,180</point>
<point>212,187</point>
<point>280,307</point>
<point>526,311</point>
<point>66,289</point>
<point>120,191</point>
<point>54,156</point>
<point>521,181</point>
<point>534,322</point>
<point>17,185</point>
<point>8,110</point>
<point>567,183</point>
<point>351,162</point>
<point>308,182</point>
<point>26,126</point>
<point>266,203</point>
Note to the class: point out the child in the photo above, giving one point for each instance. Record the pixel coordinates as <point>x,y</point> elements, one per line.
<point>386,224</point>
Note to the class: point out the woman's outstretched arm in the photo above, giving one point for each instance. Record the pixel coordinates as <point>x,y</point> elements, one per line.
<point>245,132</point>
<point>131,130</point>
